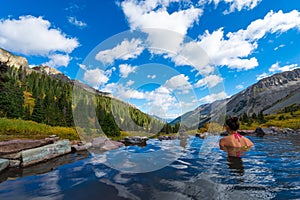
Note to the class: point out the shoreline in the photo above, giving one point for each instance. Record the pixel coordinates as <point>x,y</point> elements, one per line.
<point>22,154</point>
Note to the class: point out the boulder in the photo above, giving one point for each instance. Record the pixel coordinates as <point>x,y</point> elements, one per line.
<point>40,154</point>
<point>259,132</point>
<point>81,146</point>
<point>98,142</point>
<point>14,146</point>
<point>111,145</point>
<point>135,140</point>
<point>15,156</point>
<point>245,132</point>
<point>170,137</point>
<point>14,163</point>
<point>288,131</point>
<point>224,133</point>
<point>3,164</point>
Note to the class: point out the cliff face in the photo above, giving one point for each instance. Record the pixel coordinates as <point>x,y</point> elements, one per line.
<point>47,70</point>
<point>269,95</point>
<point>11,60</point>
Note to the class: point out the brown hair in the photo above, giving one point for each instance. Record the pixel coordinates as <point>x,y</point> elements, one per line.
<point>233,123</point>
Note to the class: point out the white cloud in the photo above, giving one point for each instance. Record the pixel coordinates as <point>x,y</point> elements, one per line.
<point>280,46</point>
<point>242,4</point>
<point>209,81</point>
<point>151,76</point>
<point>234,4</point>
<point>278,22</point>
<point>213,97</point>
<point>123,92</point>
<point>239,87</point>
<point>124,51</point>
<point>192,54</point>
<point>76,22</point>
<point>126,69</point>
<point>154,14</point>
<point>179,82</point>
<point>228,52</point>
<point>165,30</point>
<point>129,83</point>
<point>234,49</point>
<point>276,67</point>
<point>261,76</point>
<point>57,60</point>
<point>31,35</point>
<point>159,101</point>
<point>95,77</point>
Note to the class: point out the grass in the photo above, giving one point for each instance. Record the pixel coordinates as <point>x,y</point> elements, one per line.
<point>21,129</point>
<point>280,120</point>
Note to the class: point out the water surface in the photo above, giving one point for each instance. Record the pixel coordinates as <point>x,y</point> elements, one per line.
<point>269,171</point>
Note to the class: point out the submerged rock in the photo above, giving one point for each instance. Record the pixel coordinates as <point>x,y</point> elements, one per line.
<point>111,145</point>
<point>98,141</point>
<point>82,146</point>
<point>3,164</point>
<point>40,154</point>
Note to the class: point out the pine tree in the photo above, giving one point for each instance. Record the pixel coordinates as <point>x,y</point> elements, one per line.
<point>38,113</point>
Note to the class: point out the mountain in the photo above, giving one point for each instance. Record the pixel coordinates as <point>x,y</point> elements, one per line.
<point>269,95</point>
<point>46,95</point>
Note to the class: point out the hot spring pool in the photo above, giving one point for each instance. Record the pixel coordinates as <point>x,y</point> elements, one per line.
<point>271,170</point>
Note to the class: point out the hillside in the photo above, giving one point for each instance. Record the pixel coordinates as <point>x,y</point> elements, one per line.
<point>45,95</point>
<point>269,96</point>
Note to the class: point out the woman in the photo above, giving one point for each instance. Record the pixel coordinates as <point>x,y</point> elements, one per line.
<point>235,145</point>
<point>234,139</point>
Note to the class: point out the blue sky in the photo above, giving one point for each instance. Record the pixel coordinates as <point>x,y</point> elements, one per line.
<point>164,56</point>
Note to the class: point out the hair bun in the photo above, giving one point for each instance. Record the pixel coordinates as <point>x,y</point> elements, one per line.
<point>235,119</point>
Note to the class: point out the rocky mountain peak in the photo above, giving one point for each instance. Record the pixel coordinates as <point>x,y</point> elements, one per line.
<point>47,70</point>
<point>11,60</point>
<point>280,79</point>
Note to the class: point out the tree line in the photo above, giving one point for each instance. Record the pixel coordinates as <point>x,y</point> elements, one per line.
<point>49,100</point>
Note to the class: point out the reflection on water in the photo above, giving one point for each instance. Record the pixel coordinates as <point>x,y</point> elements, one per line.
<point>236,164</point>
<point>234,158</point>
<point>268,171</point>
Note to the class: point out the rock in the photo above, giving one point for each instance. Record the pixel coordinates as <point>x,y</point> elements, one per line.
<point>3,164</point>
<point>14,163</point>
<point>98,142</point>
<point>135,140</point>
<point>245,132</point>
<point>14,146</point>
<point>36,155</point>
<point>11,60</point>
<point>274,129</point>
<point>82,147</point>
<point>224,133</point>
<point>12,156</point>
<point>202,135</point>
<point>288,131</point>
<point>111,145</point>
<point>170,137</point>
<point>259,132</point>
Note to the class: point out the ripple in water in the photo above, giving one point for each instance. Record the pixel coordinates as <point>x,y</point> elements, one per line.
<point>269,171</point>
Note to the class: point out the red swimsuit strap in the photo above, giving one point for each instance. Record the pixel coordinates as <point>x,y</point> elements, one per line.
<point>237,136</point>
